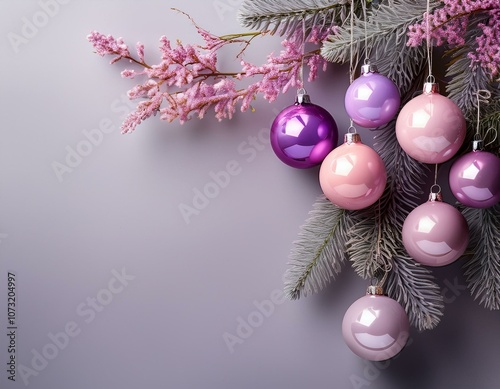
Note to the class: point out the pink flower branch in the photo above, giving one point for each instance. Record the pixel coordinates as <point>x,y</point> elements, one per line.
<point>187,81</point>
<point>448,23</point>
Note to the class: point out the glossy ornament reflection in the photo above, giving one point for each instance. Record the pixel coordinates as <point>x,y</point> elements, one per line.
<point>372,100</point>
<point>353,175</point>
<point>375,327</point>
<point>303,134</point>
<point>475,178</point>
<point>431,128</point>
<point>435,233</point>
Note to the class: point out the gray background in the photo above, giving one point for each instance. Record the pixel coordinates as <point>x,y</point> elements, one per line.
<point>118,209</point>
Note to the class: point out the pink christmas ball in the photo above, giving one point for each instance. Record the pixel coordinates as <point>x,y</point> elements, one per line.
<point>375,327</point>
<point>435,234</point>
<point>475,179</point>
<point>353,175</point>
<point>431,128</point>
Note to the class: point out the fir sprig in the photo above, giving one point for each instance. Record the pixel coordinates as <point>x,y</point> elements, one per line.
<point>382,38</point>
<point>414,287</point>
<point>319,251</point>
<point>286,16</point>
<point>482,271</point>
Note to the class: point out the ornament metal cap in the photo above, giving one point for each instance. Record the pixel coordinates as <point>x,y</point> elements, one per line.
<point>430,87</point>
<point>368,68</point>
<point>375,290</point>
<point>302,97</point>
<point>477,145</point>
<point>352,137</point>
<point>435,196</point>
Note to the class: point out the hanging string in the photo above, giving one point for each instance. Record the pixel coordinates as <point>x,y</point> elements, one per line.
<point>351,52</point>
<point>430,77</point>
<point>436,186</point>
<point>351,62</point>
<point>482,96</point>
<point>301,72</point>
<point>368,48</point>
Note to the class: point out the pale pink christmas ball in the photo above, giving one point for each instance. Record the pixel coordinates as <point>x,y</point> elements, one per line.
<point>375,327</point>
<point>435,234</point>
<point>353,175</point>
<point>430,128</point>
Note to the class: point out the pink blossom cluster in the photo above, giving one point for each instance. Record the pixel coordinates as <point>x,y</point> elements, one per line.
<point>487,53</point>
<point>187,80</point>
<point>448,24</point>
<point>107,45</point>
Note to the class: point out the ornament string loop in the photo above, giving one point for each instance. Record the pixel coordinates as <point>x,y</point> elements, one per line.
<point>435,189</point>
<point>482,97</point>
<point>494,131</point>
<point>435,193</point>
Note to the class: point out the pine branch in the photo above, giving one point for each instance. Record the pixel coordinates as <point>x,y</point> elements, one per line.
<point>318,253</point>
<point>465,80</point>
<point>414,288</point>
<point>287,16</point>
<point>385,32</point>
<point>482,271</point>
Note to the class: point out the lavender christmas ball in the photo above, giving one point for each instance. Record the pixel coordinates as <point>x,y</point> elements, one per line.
<point>435,234</point>
<point>475,179</point>
<point>372,100</point>
<point>375,327</point>
<point>303,134</point>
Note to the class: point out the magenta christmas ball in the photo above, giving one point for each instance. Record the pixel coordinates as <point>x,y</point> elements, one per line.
<point>303,134</point>
<point>430,127</point>
<point>435,233</point>
<point>375,327</point>
<point>372,100</point>
<point>353,175</point>
<point>475,179</point>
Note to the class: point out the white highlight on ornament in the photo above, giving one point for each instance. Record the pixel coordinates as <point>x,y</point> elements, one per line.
<point>375,342</point>
<point>420,118</point>
<point>478,194</point>
<point>433,248</point>
<point>368,316</point>
<point>426,224</point>
<point>353,191</point>
<point>343,166</point>
<point>434,144</point>
<point>471,172</point>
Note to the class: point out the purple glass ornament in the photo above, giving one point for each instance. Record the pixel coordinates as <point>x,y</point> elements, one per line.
<point>435,233</point>
<point>372,100</point>
<point>303,134</point>
<point>475,178</point>
<point>375,327</point>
